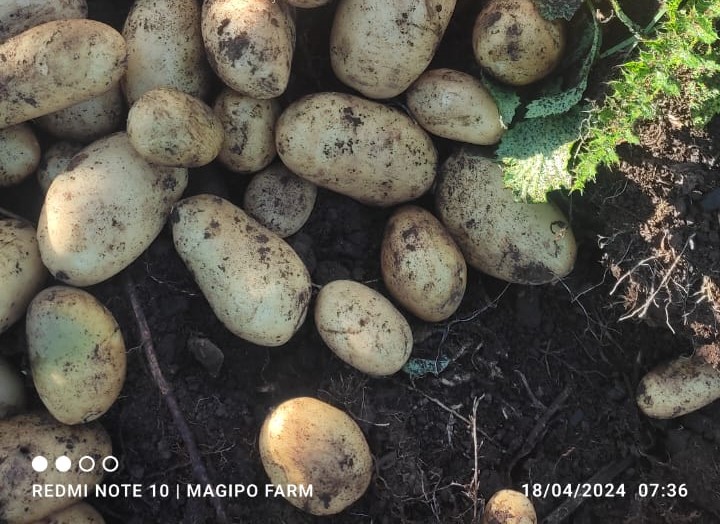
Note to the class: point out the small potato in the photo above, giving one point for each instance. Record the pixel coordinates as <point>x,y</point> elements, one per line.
<point>280,200</point>
<point>508,506</point>
<point>54,161</point>
<point>17,16</point>
<point>80,513</point>
<point>455,105</point>
<point>19,154</point>
<point>515,43</point>
<point>307,442</point>
<point>363,328</point>
<point>422,266</point>
<point>12,391</point>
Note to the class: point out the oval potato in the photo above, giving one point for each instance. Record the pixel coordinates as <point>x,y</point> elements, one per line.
<point>54,161</point>
<point>305,441</point>
<point>12,391</point>
<point>508,506</point>
<point>255,283</point>
<point>362,149</point>
<point>17,16</point>
<point>80,513</point>
<point>19,154</point>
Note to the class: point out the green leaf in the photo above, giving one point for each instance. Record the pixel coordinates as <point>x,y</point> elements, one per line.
<point>554,9</point>
<point>506,98</point>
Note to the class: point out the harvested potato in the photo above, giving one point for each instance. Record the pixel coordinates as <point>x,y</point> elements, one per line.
<point>19,154</point>
<point>362,149</point>
<point>363,328</point>
<point>380,47</point>
<point>17,16</point>
<point>455,105</point>
<point>57,64</point>
<point>515,43</point>
<point>250,44</point>
<point>54,161</point>
<point>104,211</point>
<point>22,273</point>
<point>12,391</point>
<point>80,513</point>
<point>307,442</point>
<point>508,506</point>
<point>421,265</point>
<point>280,200</point>
<point>249,126</point>
<point>26,436</point>
<point>514,241</point>
<point>255,283</point>
<point>171,128</point>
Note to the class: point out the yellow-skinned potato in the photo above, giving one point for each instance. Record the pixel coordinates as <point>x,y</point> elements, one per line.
<point>19,154</point>
<point>255,283</point>
<point>363,328</point>
<point>22,273</point>
<point>17,16</point>
<point>514,241</point>
<point>515,43</point>
<point>12,391</point>
<point>250,44</point>
<point>422,267</point>
<point>455,105</point>
<point>57,64</point>
<point>80,513</point>
<point>508,506</point>
<point>380,47</point>
<point>305,441</point>
<point>365,150</point>
<point>104,211</point>
<point>54,161</point>
<point>26,436</point>
<point>171,128</point>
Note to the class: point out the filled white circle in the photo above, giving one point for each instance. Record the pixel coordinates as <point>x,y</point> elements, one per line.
<point>86,463</point>
<point>39,463</point>
<point>63,464</point>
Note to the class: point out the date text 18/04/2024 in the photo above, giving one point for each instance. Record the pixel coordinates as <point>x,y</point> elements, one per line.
<point>172,490</point>
<point>607,490</point>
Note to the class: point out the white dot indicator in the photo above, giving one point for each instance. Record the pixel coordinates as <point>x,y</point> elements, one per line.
<point>63,464</point>
<point>39,464</point>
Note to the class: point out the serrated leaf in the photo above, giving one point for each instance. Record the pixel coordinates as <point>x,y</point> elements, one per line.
<point>506,99</point>
<point>554,9</point>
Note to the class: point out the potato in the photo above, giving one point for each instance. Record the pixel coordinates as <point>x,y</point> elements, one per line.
<point>171,128</point>
<point>421,265</point>
<point>279,200</point>
<point>508,506</point>
<point>678,387</point>
<point>19,154</point>
<point>250,44</point>
<point>455,105</point>
<point>249,126</point>
<point>380,47</point>
<point>31,435</point>
<point>54,161</point>
<point>104,211</point>
<point>363,328</point>
<point>57,64</point>
<point>515,43</point>
<point>80,513</point>
<point>255,283</point>
<point>12,391</point>
<point>165,49</point>
<point>514,241</point>
<point>365,150</point>
<point>308,3</point>
<point>17,16</point>
<point>305,441</point>
<point>22,273</point>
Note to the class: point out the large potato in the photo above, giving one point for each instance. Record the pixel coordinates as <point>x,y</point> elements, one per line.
<point>55,160</point>
<point>250,44</point>
<point>104,211</point>
<point>12,391</point>
<point>31,435</point>
<point>362,149</point>
<point>55,65</point>
<point>508,506</point>
<point>380,47</point>
<point>77,354</point>
<point>80,513</point>
<point>307,442</point>
<point>17,16</point>
<point>455,105</point>
<point>422,266</point>
<point>19,154</point>
<point>255,283</point>
<point>514,241</point>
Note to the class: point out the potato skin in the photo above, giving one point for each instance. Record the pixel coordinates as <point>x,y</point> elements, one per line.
<point>57,64</point>
<point>306,441</point>
<point>508,506</point>
<point>80,513</point>
<point>255,282</point>
<point>364,31</point>
<point>455,105</point>
<point>54,161</point>
<point>12,391</point>
<point>19,154</point>
<point>365,150</point>
<point>17,16</point>
<point>517,242</point>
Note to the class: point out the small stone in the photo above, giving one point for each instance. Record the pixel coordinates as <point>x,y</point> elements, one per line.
<point>208,354</point>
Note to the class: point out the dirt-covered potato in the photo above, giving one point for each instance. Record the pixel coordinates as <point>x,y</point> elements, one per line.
<point>24,437</point>
<point>77,354</point>
<point>255,283</point>
<point>171,128</point>
<point>104,211</point>
<point>380,47</point>
<point>421,265</point>
<point>80,513</point>
<point>12,391</point>
<point>57,64</point>
<point>365,150</point>
<point>280,200</point>
<point>363,328</point>
<point>455,105</point>
<point>17,16</point>
<point>54,161</point>
<point>19,154</point>
<point>250,44</point>
<point>515,43</point>
<point>22,273</point>
<point>514,241</point>
<point>508,506</point>
<point>165,49</point>
<point>304,442</point>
